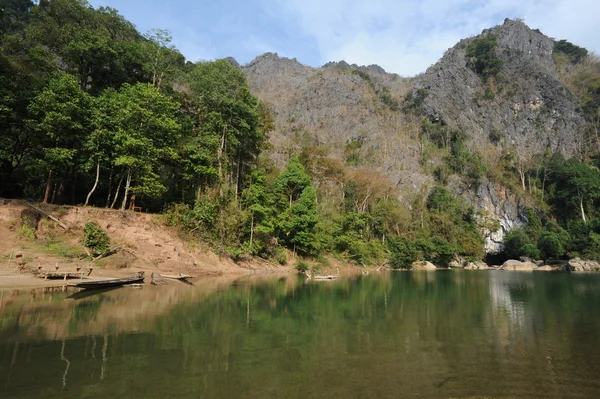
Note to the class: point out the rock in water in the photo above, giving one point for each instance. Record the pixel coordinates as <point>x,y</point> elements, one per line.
<point>158,279</point>
<point>515,265</point>
<point>423,265</point>
<point>579,265</point>
<point>477,266</point>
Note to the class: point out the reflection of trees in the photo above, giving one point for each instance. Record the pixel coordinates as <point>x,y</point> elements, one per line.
<point>435,334</point>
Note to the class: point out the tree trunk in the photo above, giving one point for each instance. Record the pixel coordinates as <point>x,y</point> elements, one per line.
<point>220,162</point>
<point>522,174</point>
<point>582,210</point>
<point>74,185</point>
<point>116,193</point>
<point>251,230</point>
<point>87,199</point>
<point>109,188</point>
<point>48,184</point>
<point>127,184</point>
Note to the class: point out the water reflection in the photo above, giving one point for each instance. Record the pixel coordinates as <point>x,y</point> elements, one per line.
<point>444,334</point>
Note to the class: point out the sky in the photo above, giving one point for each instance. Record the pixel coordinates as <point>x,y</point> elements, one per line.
<point>402,36</point>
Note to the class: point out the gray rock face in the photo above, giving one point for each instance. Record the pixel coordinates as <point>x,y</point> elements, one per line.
<point>233,62</point>
<point>579,265</point>
<point>531,108</point>
<point>343,64</point>
<point>499,204</point>
<point>515,265</point>
<point>423,265</point>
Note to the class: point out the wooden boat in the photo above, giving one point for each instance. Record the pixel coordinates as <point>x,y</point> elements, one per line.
<point>114,282</point>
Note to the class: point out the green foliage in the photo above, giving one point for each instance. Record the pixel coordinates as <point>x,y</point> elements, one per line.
<point>302,267</point>
<point>26,231</point>
<point>414,100</point>
<point>481,56</point>
<point>352,151</point>
<point>575,53</point>
<point>518,243</point>
<point>403,252</point>
<point>573,187</point>
<point>95,238</point>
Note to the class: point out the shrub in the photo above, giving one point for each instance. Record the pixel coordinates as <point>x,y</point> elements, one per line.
<point>301,267</point>
<point>402,252</point>
<point>481,56</point>
<point>95,238</point>
<point>517,244</point>
<point>575,53</point>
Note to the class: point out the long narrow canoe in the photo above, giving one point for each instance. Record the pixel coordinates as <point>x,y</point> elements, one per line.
<point>114,282</point>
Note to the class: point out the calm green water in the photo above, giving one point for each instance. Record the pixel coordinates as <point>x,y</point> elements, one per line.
<point>400,335</point>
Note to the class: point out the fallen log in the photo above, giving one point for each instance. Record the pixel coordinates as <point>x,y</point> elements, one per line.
<point>53,218</point>
<point>111,251</point>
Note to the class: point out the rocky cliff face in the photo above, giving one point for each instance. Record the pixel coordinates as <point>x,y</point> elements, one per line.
<point>525,104</point>
<point>524,108</point>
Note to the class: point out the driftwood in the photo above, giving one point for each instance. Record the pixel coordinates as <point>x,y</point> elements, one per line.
<point>53,218</point>
<point>180,276</point>
<point>111,251</point>
<point>317,277</point>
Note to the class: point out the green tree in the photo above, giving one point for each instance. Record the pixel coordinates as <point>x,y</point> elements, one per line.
<point>575,186</point>
<point>296,204</point>
<point>228,119</point>
<point>258,199</point>
<point>61,111</point>
<point>144,130</point>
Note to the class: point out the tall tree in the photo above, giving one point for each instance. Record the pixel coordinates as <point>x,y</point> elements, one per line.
<point>61,112</point>
<point>297,208</point>
<point>144,130</point>
<point>227,114</point>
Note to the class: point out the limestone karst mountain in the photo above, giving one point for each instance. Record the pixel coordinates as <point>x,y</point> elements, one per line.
<point>369,118</point>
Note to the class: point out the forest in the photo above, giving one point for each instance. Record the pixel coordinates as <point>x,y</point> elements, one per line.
<point>95,113</point>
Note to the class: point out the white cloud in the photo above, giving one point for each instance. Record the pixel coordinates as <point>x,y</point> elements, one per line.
<point>406,36</point>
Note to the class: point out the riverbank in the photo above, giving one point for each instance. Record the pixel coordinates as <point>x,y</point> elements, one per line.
<point>147,244</point>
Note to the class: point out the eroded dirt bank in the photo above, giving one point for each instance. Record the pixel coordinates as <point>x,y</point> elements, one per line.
<point>148,245</point>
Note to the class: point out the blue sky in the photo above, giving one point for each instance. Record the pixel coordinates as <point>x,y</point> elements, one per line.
<point>402,36</point>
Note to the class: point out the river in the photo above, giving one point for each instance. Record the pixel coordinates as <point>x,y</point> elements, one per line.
<point>446,334</point>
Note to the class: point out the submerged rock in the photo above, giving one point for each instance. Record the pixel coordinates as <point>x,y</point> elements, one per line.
<point>515,265</point>
<point>423,265</point>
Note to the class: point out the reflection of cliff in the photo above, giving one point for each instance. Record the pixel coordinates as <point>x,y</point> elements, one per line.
<point>503,302</point>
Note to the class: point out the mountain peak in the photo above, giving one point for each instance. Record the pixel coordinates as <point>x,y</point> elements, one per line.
<point>344,65</point>
<point>273,60</point>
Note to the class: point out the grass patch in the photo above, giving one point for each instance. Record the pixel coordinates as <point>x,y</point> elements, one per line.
<point>65,250</point>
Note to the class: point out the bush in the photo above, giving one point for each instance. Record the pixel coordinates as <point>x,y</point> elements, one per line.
<point>481,56</point>
<point>517,243</point>
<point>95,238</point>
<point>575,53</point>
<point>551,246</point>
<point>402,252</point>
<point>301,267</point>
